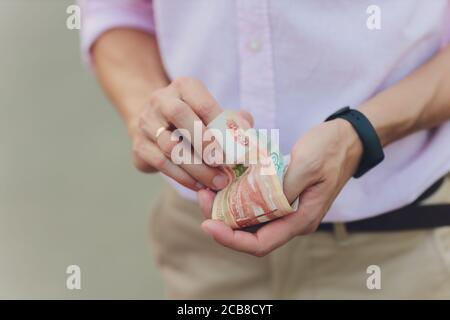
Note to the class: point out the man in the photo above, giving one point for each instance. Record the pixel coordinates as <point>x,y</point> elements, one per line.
<point>290,65</point>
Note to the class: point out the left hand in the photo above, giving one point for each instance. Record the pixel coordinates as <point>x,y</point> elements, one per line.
<point>322,162</point>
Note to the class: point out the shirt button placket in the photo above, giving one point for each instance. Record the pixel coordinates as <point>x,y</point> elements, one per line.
<point>257,88</point>
<point>255,46</point>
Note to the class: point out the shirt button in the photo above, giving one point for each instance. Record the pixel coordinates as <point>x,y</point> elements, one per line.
<point>255,45</point>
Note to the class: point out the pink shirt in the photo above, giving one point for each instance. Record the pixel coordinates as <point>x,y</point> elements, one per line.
<point>293,63</point>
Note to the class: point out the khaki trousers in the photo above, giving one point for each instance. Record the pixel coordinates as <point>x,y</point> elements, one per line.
<point>412,264</point>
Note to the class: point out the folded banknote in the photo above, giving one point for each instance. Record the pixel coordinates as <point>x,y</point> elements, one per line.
<point>255,169</point>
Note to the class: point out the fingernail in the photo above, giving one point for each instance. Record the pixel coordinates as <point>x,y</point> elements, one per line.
<point>220,181</point>
<point>199,185</point>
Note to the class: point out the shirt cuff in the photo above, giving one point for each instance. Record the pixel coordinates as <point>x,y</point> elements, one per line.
<point>99,16</point>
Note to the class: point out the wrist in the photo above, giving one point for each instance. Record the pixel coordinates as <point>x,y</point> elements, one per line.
<point>351,143</point>
<point>372,150</point>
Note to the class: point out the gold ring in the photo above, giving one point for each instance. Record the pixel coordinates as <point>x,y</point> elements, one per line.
<point>159,131</point>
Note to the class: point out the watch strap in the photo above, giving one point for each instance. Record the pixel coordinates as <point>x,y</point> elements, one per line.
<point>372,149</point>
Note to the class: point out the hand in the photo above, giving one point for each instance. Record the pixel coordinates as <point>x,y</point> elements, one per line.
<point>322,162</point>
<point>178,105</point>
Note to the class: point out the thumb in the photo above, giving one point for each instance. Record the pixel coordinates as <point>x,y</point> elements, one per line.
<point>247,117</point>
<point>296,179</point>
<point>205,200</point>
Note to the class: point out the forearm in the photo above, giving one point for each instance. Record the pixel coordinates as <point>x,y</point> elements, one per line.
<point>129,68</point>
<point>420,101</point>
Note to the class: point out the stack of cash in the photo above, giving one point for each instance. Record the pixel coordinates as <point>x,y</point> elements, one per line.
<point>256,170</point>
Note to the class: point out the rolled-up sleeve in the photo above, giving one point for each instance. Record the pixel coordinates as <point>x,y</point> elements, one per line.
<point>99,16</point>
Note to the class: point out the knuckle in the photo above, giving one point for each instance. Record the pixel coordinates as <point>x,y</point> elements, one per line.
<point>167,147</point>
<point>206,107</point>
<point>158,160</point>
<point>196,82</point>
<point>174,110</point>
<point>144,115</point>
<point>155,98</point>
<point>144,120</point>
<point>181,81</point>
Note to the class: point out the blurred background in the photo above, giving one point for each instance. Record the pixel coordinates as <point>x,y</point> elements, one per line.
<point>68,191</point>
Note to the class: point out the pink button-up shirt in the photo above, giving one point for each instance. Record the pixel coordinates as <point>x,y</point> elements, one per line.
<point>293,63</point>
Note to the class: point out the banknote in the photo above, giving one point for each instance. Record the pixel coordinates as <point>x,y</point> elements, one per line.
<point>255,168</point>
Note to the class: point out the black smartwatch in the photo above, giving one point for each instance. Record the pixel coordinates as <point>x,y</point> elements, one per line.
<point>372,150</point>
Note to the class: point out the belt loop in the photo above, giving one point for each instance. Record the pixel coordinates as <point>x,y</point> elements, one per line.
<point>340,231</point>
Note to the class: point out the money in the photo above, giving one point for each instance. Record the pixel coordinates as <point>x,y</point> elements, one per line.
<point>255,169</point>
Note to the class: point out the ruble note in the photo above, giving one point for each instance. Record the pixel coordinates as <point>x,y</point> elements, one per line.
<point>256,170</point>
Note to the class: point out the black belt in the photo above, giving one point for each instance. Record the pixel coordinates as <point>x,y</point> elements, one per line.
<point>410,217</point>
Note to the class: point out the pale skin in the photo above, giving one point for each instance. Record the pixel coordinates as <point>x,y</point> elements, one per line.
<point>129,68</point>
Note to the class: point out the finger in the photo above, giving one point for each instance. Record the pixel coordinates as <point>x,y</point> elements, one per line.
<point>142,165</point>
<point>153,155</point>
<point>212,177</point>
<point>195,94</point>
<point>151,123</point>
<point>277,232</point>
<point>183,117</point>
<point>247,117</point>
<point>296,180</point>
<point>314,203</point>
<point>266,239</point>
<point>233,239</point>
<point>139,163</point>
<point>205,200</point>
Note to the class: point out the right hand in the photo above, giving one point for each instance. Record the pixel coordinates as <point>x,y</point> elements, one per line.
<point>178,105</point>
